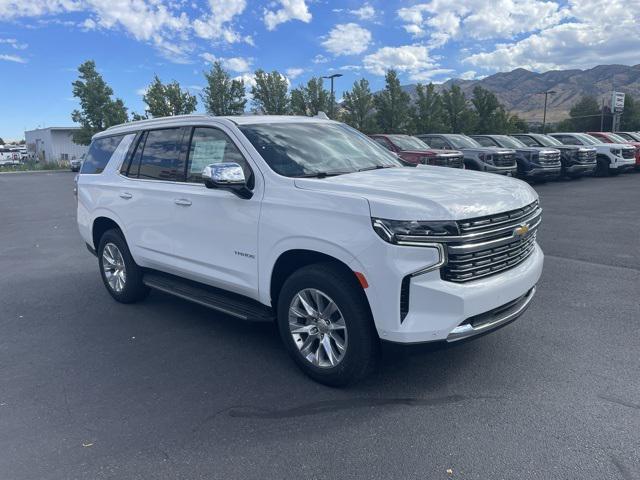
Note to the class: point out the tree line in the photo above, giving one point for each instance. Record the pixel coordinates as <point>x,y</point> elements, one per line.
<point>391,110</point>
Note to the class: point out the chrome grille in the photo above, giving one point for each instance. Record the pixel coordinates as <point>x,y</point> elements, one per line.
<point>504,160</point>
<point>587,157</point>
<point>489,245</point>
<point>550,159</point>
<point>452,161</point>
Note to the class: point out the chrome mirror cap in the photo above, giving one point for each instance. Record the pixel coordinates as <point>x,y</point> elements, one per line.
<point>224,174</point>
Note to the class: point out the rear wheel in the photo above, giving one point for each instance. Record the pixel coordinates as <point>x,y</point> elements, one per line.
<point>326,325</point>
<point>120,274</point>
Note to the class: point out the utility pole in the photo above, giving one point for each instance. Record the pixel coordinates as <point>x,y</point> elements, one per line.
<point>544,116</point>
<point>602,115</point>
<point>331,77</point>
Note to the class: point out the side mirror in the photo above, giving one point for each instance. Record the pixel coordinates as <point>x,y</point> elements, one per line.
<point>226,176</point>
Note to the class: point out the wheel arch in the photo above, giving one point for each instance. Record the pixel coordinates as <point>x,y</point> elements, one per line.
<point>292,260</point>
<point>100,225</point>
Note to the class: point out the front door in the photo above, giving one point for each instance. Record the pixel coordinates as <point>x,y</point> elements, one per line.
<point>216,239</point>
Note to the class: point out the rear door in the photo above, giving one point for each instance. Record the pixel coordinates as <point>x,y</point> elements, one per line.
<point>146,196</point>
<point>217,241</point>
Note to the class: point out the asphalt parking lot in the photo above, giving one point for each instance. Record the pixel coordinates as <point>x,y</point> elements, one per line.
<point>91,389</point>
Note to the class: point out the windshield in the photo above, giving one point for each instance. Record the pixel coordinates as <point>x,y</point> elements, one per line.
<point>617,138</point>
<point>588,139</point>
<point>310,149</point>
<point>547,141</point>
<point>406,142</point>
<point>634,137</point>
<point>462,141</point>
<point>507,142</point>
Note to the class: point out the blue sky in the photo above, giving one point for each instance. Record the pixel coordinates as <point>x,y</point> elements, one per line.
<point>43,41</point>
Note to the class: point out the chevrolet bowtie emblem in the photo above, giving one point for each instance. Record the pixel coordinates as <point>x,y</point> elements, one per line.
<point>521,231</point>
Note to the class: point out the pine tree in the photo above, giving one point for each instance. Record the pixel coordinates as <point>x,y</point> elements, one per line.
<point>358,107</point>
<point>168,100</point>
<point>270,95</point>
<point>310,99</point>
<point>428,111</point>
<point>458,116</point>
<point>393,106</point>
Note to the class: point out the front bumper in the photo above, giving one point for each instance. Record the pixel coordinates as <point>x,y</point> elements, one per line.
<point>541,172</point>
<point>509,171</point>
<point>439,310</point>
<point>584,168</point>
<point>623,164</point>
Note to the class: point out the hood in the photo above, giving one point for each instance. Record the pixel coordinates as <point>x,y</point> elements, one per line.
<point>428,193</point>
<point>437,151</point>
<point>540,150</point>
<point>501,150</point>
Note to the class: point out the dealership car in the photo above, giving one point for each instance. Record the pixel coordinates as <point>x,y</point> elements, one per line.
<point>9,157</point>
<point>611,158</point>
<point>608,137</point>
<point>534,163</point>
<point>630,136</point>
<point>416,152</point>
<point>576,161</point>
<point>308,222</point>
<point>476,157</point>
<point>76,163</point>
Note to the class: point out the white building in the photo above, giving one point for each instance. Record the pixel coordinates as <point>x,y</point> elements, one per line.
<point>53,144</point>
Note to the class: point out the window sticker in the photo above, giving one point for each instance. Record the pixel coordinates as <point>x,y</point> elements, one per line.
<point>206,152</point>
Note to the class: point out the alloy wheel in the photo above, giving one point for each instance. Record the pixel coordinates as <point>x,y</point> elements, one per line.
<point>318,328</point>
<point>114,268</point>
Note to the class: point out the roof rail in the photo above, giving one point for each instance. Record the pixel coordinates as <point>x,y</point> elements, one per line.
<point>151,121</point>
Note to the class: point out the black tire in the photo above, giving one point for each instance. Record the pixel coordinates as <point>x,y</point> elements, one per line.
<point>363,344</point>
<point>602,168</point>
<point>134,289</point>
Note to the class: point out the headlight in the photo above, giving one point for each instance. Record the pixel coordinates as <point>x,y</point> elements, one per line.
<point>413,231</point>
<point>535,156</point>
<point>616,151</point>
<point>487,158</point>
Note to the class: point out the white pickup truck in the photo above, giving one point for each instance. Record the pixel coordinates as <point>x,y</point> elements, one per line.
<point>309,223</point>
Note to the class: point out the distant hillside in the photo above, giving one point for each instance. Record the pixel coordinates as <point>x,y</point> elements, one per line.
<point>518,89</point>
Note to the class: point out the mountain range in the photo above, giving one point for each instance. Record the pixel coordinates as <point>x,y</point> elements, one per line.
<point>519,90</point>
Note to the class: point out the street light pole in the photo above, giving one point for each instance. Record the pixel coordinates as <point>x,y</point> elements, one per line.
<point>544,115</point>
<point>331,77</point>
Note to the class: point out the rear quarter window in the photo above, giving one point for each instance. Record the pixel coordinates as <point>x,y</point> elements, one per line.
<point>100,153</point>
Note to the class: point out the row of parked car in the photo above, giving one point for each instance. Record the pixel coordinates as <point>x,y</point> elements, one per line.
<point>530,156</point>
<point>12,155</point>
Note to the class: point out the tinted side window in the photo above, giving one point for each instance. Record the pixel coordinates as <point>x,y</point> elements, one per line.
<point>436,142</point>
<point>161,155</point>
<point>383,142</point>
<point>210,145</point>
<point>99,154</point>
<point>568,140</point>
<point>528,141</point>
<point>484,141</point>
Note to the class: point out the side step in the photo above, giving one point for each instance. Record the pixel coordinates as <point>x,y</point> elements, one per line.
<point>217,299</point>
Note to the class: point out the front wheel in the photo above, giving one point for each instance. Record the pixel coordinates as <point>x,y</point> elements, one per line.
<point>120,274</point>
<point>326,326</point>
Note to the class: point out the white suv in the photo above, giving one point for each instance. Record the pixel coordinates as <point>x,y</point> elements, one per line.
<point>611,157</point>
<point>309,222</point>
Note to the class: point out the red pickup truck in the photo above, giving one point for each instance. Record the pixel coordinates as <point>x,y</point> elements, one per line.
<point>415,152</point>
<point>608,137</point>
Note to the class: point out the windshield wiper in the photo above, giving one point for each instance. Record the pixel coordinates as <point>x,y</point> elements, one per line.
<point>320,174</point>
<point>375,167</point>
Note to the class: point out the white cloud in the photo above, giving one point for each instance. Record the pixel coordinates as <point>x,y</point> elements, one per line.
<point>468,75</point>
<point>598,30</point>
<point>291,10</point>
<point>347,39</point>
<point>35,8</point>
<point>411,59</point>
<point>293,73</point>
<point>12,58</point>
<point>365,12</point>
<point>235,64</point>
<point>442,20</point>
<point>320,59</point>
<point>215,25</point>
<point>13,43</point>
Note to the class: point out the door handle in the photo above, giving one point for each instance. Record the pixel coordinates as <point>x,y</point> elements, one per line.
<point>183,202</point>
<point>126,195</point>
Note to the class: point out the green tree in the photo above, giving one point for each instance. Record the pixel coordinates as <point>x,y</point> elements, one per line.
<point>311,98</point>
<point>393,106</point>
<point>459,118</point>
<point>584,116</point>
<point>270,93</point>
<point>98,111</point>
<point>428,112</point>
<point>223,95</point>
<point>168,100</point>
<point>516,124</point>
<point>491,117</point>
<point>358,107</point>
<point>630,121</point>
<point>1,141</point>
